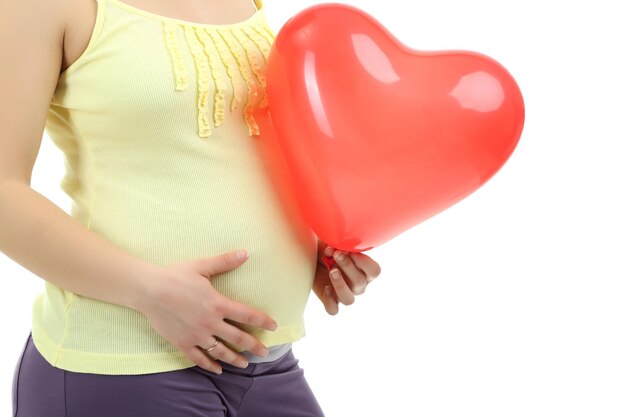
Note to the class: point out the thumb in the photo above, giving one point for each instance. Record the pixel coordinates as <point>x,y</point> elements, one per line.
<point>213,265</point>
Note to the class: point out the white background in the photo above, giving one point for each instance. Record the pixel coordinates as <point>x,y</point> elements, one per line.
<point>510,303</point>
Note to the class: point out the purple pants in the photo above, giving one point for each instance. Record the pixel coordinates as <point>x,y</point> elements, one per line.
<point>270,389</point>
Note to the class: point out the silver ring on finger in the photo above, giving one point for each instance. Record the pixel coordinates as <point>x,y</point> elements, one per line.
<point>211,348</point>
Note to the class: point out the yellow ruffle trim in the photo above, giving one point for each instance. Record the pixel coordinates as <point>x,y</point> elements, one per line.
<point>202,76</point>
<point>171,42</point>
<point>240,53</point>
<point>231,68</point>
<point>253,93</point>
<point>216,72</point>
<point>255,56</point>
<point>266,32</point>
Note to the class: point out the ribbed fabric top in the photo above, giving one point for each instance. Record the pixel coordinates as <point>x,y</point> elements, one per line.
<point>160,124</point>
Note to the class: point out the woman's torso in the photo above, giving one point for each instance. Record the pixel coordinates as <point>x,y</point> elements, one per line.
<point>170,155</point>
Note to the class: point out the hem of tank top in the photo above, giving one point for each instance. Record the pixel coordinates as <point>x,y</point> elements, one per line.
<point>159,361</point>
<point>163,18</point>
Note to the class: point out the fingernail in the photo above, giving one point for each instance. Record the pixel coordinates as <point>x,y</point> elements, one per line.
<point>334,274</point>
<point>218,371</point>
<point>274,326</point>
<point>327,290</point>
<point>242,254</point>
<point>340,256</point>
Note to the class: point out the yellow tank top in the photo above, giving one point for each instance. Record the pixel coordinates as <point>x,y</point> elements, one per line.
<point>159,122</point>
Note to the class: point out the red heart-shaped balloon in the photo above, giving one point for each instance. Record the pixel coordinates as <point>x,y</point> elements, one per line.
<point>379,137</point>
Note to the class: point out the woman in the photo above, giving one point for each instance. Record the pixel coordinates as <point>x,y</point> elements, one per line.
<point>148,310</point>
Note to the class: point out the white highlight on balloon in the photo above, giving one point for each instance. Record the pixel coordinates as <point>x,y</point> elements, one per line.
<point>374,59</point>
<point>313,93</point>
<point>479,91</point>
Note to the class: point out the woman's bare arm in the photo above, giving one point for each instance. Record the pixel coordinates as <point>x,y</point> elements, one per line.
<point>34,232</point>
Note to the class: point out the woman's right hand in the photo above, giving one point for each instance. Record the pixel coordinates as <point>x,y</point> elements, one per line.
<point>182,306</point>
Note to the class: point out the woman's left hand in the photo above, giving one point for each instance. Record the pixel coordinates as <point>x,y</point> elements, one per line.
<point>353,273</point>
